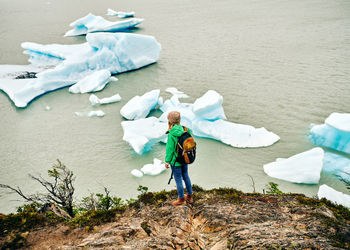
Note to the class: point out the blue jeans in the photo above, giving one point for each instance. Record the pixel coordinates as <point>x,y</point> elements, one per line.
<point>181,173</point>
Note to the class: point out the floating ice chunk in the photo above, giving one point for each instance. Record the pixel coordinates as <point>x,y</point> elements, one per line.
<point>154,169</point>
<point>95,100</point>
<point>142,134</point>
<point>335,133</point>
<point>93,113</point>
<point>333,195</point>
<point>300,168</point>
<point>140,106</point>
<point>236,135</point>
<point>120,14</point>
<point>117,53</point>
<point>48,108</point>
<point>209,106</point>
<point>91,83</point>
<point>136,173</point>
<point>114,79</point>
<point>176,92</point>
<point>91,23</point>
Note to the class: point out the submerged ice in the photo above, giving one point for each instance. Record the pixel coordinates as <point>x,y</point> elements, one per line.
<point>301,168</point>
<point>117,53</point>
<point>334,133</point>
<point>91,23</point>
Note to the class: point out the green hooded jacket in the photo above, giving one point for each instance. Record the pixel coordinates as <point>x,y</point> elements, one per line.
<point>170,152</point>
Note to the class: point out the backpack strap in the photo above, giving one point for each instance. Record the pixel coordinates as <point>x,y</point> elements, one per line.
<point>171,177</point>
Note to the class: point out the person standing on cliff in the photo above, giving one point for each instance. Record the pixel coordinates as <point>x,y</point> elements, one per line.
<point>180,171</point>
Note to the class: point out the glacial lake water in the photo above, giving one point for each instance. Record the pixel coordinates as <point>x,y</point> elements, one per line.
<point>281,65</point>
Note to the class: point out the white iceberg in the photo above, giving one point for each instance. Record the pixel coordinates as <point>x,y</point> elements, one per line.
<point>117,53</point>
<point>209,106</point>
<point>120,14</point>
<point>142,134</point>
<point>334,134</point>
<point>234,134</point>
<point>333,195</point>
<point>154,169</point>
<point>92,113</point>
<point>139,106</point>
<point>300,168</point>
<point>176,92</point>
<point>96,81</point>
<point>94,100</point>
<point>91,23</point>
<point>136,173</point>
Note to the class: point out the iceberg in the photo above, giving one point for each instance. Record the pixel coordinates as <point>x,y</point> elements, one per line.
<point>93,113</point>
<point>154,169</point>
<point>94,100</point>
<point>206,118</point>
<point>142,134</point>
<point>301,168</point>
<point>234,134</point>
<point>139,106</point>
<point>136,173</point>
<point>176,92</point>
<point>91,23</point>
<point>96,81</point>
<point>333,195</point>
<point>334,133</point>
<point>117,53</point>
<point>209,106</point>
<point>120,14</point>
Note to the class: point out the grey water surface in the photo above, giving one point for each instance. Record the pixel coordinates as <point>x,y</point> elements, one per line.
<point>281,65</point>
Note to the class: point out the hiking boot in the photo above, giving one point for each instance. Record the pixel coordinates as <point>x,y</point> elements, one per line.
<point>189,198</point>
<point>179,202</point>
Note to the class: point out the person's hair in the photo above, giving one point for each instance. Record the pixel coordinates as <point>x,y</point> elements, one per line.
<point>174,117</point>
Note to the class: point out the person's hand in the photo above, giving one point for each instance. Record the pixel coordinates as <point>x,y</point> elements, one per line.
<point>167,165</point>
